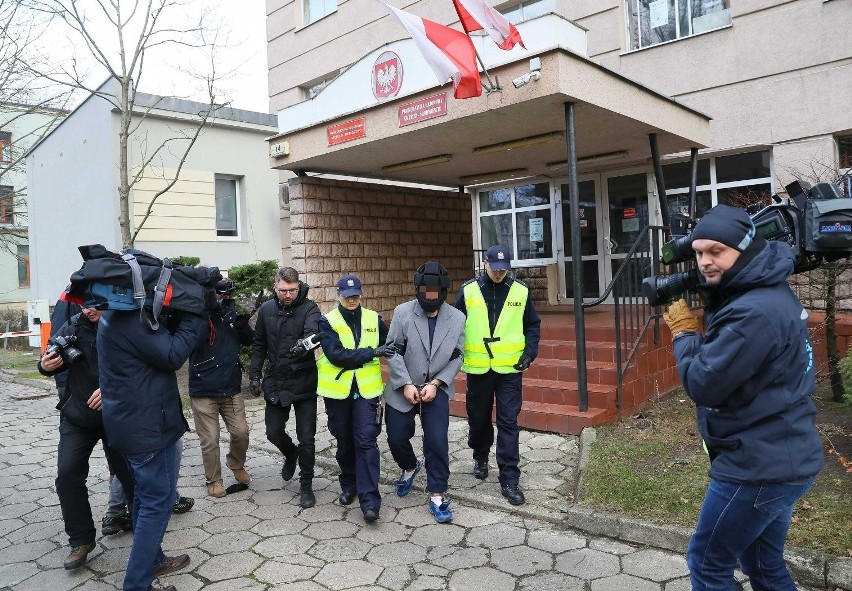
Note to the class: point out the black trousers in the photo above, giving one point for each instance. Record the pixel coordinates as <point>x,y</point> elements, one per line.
<point>483,391</point>
<point>75,448</point>
<point>306,429</point>
<point>352,422</point>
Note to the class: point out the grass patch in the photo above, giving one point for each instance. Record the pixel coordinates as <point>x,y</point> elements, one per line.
<point>17,359</point>
<point>32,375</point>
<point>652,467</point>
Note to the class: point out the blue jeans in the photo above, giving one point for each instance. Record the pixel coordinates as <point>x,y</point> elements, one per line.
<point>116,503</point>
<point>156,482</point>
<point>745,522</point>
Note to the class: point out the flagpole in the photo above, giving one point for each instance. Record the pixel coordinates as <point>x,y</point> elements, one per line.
<point>492,86</point>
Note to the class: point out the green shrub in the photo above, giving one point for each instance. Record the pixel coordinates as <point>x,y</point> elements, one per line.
<point>185,260</point>
<point>845,367</point>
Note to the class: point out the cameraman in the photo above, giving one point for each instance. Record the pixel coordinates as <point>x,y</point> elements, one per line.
<point>80,427</point>
<point>751,377</point>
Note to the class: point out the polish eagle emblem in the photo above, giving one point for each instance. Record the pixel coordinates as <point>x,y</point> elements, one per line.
<point>386,77</point>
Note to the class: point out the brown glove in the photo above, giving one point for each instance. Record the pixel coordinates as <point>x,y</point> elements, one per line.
<point>680,318</point>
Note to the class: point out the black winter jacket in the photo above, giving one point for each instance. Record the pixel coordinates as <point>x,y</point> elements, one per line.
<point>214,366</point>
<point>141,401</point>
<point>62,313</point>
<point>751,375</point>
<point>81,376</point>
<point>286,379</point>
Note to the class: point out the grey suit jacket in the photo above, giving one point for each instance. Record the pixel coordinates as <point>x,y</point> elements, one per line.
<point>421,364</point>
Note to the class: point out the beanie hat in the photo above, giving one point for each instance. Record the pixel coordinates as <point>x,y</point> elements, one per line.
<point>725,224</point>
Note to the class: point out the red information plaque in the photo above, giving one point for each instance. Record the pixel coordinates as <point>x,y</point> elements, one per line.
<point>347,131</point>
<point>423,109</point>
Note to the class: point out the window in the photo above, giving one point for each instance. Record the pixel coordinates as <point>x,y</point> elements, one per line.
<point>227,207</point>
<point>23,265</point>
<point>844,147</point>
<point>316,9</point>
<point>527,10</point>
<point>738,179</point>
<point>7,205</point>
<point>655,21</point>
<point>5,146</point>
<point>519,217</point>
<point>314,88</point>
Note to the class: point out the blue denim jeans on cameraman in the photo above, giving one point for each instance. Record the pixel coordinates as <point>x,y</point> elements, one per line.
<point>116,503</point>
<point>156,482</point>
<point>745,522</point>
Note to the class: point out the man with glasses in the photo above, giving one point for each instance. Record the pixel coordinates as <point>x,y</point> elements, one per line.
<point>284,340</point>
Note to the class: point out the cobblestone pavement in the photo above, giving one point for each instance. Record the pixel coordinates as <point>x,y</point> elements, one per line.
<point>260,539</point>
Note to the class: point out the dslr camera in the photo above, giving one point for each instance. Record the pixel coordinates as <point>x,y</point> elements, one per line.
<point>65,347</point>
<point>816,221</point>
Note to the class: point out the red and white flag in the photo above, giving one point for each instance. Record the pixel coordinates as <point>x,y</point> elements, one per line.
<point>477,15</point>
<point>448,52</point>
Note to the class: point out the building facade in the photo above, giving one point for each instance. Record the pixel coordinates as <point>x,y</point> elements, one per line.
<point>771,75</point>
<point>21,126</point>
<point>223,209</point>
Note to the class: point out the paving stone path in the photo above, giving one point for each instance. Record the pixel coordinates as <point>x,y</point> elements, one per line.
<point>260,539</point>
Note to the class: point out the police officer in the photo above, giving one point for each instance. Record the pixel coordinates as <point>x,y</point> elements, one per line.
<point>502,331</point>
<point>81,426</point>
<point>350,381</point>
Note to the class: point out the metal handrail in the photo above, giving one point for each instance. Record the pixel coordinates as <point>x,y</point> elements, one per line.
<point>633,315</point>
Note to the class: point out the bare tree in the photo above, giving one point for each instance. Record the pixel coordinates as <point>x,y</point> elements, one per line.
<point>134,28</point>
<point>29,108</point>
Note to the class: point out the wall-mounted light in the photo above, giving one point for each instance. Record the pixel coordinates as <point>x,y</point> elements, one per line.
<point>500,175</point>
<point>594,158</point>
<point>520,143</point>
<point>440,158</point>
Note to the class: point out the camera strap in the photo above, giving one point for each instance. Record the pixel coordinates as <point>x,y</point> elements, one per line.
<point>139,289</point>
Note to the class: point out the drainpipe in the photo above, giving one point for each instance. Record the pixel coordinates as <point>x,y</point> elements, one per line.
<point>576,259</point>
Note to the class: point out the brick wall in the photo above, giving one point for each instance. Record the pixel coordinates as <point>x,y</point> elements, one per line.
<point>381,233</point>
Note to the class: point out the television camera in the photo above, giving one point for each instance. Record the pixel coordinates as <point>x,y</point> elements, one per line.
<point>816,221</point>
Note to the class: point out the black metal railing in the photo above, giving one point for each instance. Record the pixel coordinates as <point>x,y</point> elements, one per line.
<point>633,315</point>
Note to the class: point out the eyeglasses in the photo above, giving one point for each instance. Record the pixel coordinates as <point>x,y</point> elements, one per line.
<point>288,291</point>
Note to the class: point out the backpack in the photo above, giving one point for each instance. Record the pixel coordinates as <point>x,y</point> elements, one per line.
<point>136,280</point>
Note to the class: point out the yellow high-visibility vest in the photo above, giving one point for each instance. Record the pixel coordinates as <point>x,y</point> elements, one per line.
<point>509,329</point>
<point>332,383</point>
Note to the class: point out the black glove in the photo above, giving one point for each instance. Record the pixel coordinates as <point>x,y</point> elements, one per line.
<point>386,350</point>
<point>523,363</point>
<point>254,388</point>
<point>241,320</point>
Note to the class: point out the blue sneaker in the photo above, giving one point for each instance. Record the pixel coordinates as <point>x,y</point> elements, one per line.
<point>441,512</point>
<point>403,485</point>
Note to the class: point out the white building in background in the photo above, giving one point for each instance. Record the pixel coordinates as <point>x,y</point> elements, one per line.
<point>21,126</point>
<point>224,208</point>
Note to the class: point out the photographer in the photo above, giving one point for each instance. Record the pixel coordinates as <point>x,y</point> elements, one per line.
<point>751,377</point>
<point>81,426</point>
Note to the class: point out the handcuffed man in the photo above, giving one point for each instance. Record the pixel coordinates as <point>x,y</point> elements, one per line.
<point>751,376</point>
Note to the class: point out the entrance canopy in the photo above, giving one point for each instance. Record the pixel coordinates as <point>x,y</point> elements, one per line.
<point>429,137</point>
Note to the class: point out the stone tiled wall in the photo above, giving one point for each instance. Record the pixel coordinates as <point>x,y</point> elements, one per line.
<point>381,233</point>
<point>536,280</point>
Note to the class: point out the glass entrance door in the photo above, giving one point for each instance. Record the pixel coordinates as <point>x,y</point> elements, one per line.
<point>613,212</point>
<point>590,241</point>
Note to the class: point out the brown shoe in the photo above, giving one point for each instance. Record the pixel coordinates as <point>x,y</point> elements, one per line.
<point>216,490</point>
<point>242,476</point>
<point>77,556</point>
<point>171,564</point>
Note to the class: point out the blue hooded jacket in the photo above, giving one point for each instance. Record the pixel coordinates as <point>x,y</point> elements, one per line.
<point>751,375</point>
<point>141,401</point>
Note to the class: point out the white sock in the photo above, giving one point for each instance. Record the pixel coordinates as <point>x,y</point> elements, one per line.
<point>437,499</point>
<point>408,474</point>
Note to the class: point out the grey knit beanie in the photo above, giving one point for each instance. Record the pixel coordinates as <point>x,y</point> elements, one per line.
<point>725,224</point>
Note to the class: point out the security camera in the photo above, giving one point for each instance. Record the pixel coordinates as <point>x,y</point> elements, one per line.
<point>526,78</point>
